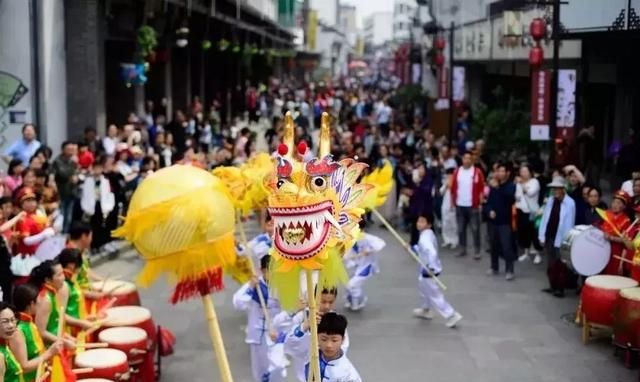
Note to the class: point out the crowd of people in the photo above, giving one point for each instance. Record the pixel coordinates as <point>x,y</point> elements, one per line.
<point>511,207</point>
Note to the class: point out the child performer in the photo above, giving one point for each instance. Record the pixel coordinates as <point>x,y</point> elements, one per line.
<point>261,244</point>
<point>366,263</point>
<point>258,334</point>
<point>26,344</point>
<point>32,230</point>
<point>298,341</point>
<point>427,249</point>
<point>334,364</point>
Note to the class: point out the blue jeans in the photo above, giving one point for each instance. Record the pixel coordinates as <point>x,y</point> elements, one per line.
<point>502,245</point>
<point>66,209</point>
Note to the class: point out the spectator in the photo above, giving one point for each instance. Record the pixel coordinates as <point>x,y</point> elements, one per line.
<point>500,209</point>
<point>557,220</point>
<point>383,117</point>
<point>420,202</point>
<point>85,156</point>
<point>594,201</point>
<point>527,193</point>
<point>97,202</point>
<point>65,168</point>
<point>14,175</point>
<point>627,185</point>
<point>448,214</point>
<point>25,147</point>
<point>91,140</point>
<point>467,188</point>
<point>110,142</point>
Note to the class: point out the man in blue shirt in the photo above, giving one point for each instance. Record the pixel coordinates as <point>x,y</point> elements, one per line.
<point>25,147</point>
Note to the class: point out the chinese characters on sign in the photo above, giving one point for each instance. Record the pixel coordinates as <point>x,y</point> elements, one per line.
<point>540,89</point>
<point>566,117</point>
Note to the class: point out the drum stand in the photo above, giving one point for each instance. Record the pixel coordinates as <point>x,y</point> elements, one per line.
<point>588,328</point>
<point>630,355</point>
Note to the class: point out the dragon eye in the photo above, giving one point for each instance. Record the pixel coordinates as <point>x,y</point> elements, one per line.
<point>280,183</point>
<point>318,183</point>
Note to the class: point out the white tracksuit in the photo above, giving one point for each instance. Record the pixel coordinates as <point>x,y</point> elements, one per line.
<point>432,297</point>
<point>338,370</point>
<point>268,363</point>
<point>365,263</point>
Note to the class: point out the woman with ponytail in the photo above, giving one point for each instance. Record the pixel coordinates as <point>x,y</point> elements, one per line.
<point>76,312</point>
<point>26,344</point>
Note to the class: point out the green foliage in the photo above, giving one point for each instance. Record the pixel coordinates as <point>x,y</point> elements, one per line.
<point>146,40</point>
<point>505,125</point>
<point>409,95</point>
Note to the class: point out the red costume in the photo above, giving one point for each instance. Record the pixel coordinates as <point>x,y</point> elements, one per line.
<point>616,224</point>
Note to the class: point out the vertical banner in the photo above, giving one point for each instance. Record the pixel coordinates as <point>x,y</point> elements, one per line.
<point>312,27</point>
<point>566,111</point>
<point>540,89</point>
<point>443,89</point>
<point>458,85</point>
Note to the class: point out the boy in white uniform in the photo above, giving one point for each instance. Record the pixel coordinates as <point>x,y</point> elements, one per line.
<point>432,297</point>
<point>261,244</point>
<point>259,337</point>
<point>364,257</point>
<point>298,340</point>
<point>334,364</point>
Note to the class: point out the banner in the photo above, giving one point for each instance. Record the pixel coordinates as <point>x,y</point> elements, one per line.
<point>459,75</point>
<point>312,27</point>
<point>566,117</point>
<point>443,83</point>
<point>540,89</point>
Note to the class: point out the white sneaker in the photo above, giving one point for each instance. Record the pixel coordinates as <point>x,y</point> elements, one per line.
<point>423,313</point>
<point>356,307</point>
<point>347,304</point>
<point>537,259</point>
<point>523,257</point>
<point>453,320</point>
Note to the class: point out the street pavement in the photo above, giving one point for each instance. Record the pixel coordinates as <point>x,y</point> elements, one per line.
<point>510,331</point>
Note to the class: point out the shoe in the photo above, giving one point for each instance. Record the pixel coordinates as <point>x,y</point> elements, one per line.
<point>462,254</point>
<point>453,320</point>
<point>558,293</point>
<point>425,314</point>
<point>477,256</point>
<point>523,257</point>
<point>492,272</point>
<point>454,246</point>
<point>537,259</point>
<point>347,304</point>
<point>509,276</point>
<point>357,307</point>
<point>445,245</point>
<point>547,290</point>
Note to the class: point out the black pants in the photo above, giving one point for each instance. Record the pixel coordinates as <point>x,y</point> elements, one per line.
<point>468,216</point>
<point>101,233</point>
<point>6,283</point>
<point>502,246</point>
<point>527,234</point>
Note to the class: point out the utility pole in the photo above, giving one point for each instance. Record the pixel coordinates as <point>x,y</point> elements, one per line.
<point>553,123</point>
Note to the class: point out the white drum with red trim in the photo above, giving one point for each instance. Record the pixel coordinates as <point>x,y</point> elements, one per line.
<point>135,316</point>
<point>131,340</point>
<point>125,292</point>
<point>110,364</point>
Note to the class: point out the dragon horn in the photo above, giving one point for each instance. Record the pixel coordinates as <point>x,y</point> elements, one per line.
<point>289,131</point>
<point>325,136</point>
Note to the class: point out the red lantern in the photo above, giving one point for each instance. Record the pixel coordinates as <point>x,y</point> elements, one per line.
<point>536,56</point>
<point>538,29</point>
<point>439,59</point>
<point>439,43</point>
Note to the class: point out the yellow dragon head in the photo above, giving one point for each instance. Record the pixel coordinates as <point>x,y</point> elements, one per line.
<point>315,205</point>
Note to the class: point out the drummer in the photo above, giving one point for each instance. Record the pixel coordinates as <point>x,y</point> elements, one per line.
<point>10,369</point>
<point>633,245</point>
<point>76,312</point>
<point>26,344</point>
<point>31,230</point>
<point>614,224</point>
<point>80,237</point>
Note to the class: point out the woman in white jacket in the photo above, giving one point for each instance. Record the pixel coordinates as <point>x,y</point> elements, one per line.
<point>527,192</point>
<point>97,201</point>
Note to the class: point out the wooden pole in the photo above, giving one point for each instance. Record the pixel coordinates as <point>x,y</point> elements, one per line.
<point>249,254</point>
<point>314,369</point>
<point>216,339</point>
<point>408,248</point>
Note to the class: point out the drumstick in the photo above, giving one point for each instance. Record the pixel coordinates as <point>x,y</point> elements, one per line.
<point>84,370</point>
<point>137,351</point>
<point>623,259</point>
<point>43,377</point>
<point>94,345</point>
<point>96,326</point>
<point>104,308</point>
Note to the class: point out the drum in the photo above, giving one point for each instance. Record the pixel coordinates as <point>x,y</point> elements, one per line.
<point>585,250</point>
<point>626,325</point>
<point>131,340</point>
<point>135,316</point>
<point>126,293</point>
<point>110,364</point>
<point>599,296</point>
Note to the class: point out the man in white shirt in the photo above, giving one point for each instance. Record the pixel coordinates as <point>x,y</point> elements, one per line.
<point>383,118</point>
<point>467,193</point>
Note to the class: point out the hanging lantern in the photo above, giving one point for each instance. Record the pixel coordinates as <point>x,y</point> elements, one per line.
<point>439,43</point>
<point>536,56</point>
<point>439,59</point>
<point>538,29</point>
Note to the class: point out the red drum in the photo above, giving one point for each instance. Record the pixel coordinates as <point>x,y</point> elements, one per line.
<point>135,316</point>
<point>626,326</point>
<point>126,293</point>
<point>131,340</point>
<point>110,364</point>
<point>599,296</point>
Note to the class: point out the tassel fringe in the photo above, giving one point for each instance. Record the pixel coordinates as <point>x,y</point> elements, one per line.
<point>210,281</point>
